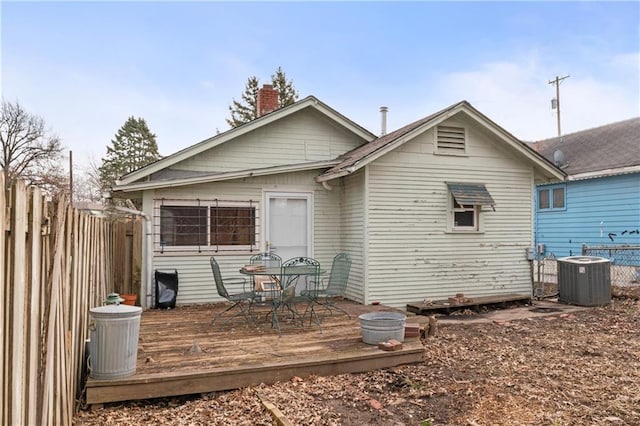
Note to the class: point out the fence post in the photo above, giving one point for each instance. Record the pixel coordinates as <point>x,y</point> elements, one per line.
<point>56,263</point>
<point>4,413</point>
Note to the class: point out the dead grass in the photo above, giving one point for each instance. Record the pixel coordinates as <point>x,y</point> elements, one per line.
<point>566,369</point>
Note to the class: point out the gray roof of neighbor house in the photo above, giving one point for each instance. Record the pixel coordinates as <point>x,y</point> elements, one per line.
<point>362,155</point>
<point>610,149</point>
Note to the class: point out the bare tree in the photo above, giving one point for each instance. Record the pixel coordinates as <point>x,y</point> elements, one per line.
<point>29,152</point>
<point>87,185</point>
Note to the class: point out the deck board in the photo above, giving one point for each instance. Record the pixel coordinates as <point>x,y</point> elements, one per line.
<point>236,355</point>
<point>475,303</point>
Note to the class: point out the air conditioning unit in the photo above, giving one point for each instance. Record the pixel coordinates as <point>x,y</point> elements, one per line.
<point>584,280</point>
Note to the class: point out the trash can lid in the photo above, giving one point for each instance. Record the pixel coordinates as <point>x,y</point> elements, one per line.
<point>119,310</point>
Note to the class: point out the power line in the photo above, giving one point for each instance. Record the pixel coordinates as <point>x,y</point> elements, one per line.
<point>556,104</point>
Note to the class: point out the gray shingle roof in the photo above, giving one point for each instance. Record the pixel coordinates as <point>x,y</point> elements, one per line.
<point>352,157</point>
<point>612,146</point>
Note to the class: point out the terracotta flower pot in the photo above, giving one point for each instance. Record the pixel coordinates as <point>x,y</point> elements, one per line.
<point>129,299</point>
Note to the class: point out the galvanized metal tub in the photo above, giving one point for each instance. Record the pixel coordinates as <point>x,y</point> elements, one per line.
<point>379,327</point>
<point>113,341</point>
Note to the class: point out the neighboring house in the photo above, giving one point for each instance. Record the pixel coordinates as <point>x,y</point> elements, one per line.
<point>599,204</point>
<point>438,207</point>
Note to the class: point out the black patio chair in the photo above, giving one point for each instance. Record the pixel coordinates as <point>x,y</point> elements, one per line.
<point>243,300</point>
<point>289,295</point>
<point>268,260</point>
<point>335,285</point>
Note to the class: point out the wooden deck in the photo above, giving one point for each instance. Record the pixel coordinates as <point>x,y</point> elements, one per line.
<point>475,303</point>
<point>181,353</point>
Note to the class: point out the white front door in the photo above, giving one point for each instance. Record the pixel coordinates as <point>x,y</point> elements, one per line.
<point>288,224</point>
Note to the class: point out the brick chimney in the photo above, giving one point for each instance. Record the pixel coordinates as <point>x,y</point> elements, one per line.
<point>267,100</point>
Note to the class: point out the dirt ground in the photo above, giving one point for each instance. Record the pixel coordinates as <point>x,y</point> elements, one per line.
<point>581,368</point>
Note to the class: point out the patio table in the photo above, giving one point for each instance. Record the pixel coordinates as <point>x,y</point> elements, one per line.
<point>283,294</point>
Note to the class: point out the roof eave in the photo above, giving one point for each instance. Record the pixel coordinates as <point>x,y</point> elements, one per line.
<point>214,141</point>
<point>216,177</point>
<point>547,168</point>
<point>604,173</point>
<point>336,175</point>
<point>446,114</point>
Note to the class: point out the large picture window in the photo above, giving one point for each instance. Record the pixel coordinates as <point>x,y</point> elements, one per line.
<point>202,225</point>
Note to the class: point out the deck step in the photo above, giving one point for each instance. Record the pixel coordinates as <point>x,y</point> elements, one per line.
<point>452,304</point>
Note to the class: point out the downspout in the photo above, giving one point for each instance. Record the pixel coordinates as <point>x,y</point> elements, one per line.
<point>147,247</point>
<point>326,185</point>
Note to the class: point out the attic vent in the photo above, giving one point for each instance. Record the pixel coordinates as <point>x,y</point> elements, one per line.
<point>451,139</point>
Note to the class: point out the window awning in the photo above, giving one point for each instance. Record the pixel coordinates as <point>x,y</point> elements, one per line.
<point>474,194</point>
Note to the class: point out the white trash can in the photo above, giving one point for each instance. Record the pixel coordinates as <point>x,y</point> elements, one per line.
<point>113,341</point>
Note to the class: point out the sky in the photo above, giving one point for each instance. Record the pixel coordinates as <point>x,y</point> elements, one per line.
<point>85,67</point>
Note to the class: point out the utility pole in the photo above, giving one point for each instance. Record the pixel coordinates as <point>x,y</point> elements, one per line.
<point>556,104</point>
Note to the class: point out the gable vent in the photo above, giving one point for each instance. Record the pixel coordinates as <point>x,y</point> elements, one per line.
<point>451,138</point>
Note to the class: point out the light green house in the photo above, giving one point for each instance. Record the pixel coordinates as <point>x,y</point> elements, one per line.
<point>438,207</point>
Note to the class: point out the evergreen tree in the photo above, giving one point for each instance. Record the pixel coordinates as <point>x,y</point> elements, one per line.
<point>287,94</point>
<point>246,110</point>
<point>134,147</point>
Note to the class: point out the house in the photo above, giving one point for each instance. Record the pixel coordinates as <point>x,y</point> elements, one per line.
<point>599,204</point>
<point>440,206</point>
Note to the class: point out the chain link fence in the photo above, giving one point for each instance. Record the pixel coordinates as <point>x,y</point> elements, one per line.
<point>625,262</point>
<point>545,277</point>
<point>625,268</point>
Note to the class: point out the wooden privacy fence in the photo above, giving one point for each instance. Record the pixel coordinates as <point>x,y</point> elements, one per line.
<point>56,263</point>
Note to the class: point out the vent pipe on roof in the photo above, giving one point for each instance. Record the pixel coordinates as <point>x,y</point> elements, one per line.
<point>383,124</point>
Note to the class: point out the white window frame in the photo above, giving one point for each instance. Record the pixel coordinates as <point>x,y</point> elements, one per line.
<point>208,247</point>
<point>550,190</point>
<point>453,207</point>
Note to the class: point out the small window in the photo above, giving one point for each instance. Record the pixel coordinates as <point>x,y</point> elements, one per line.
<point>466,202</point>
<point>465,217</point>
<point>552,198</point>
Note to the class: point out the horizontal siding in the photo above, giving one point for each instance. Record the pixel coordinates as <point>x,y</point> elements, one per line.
<point>595,208</point>
<point>352,232</point>
<point>301,137</point>
<point>411,256</point>
<point>327,224</point>
<point>195,278</point>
